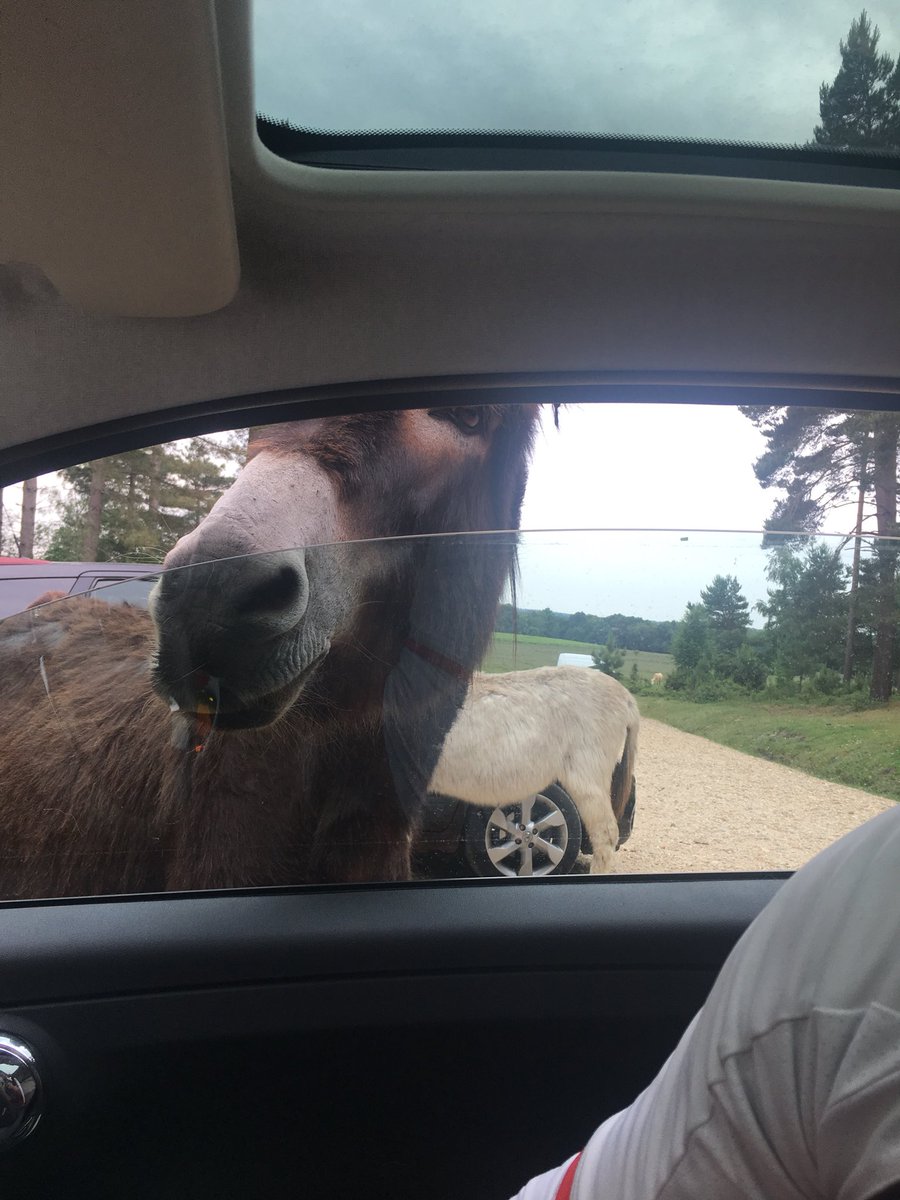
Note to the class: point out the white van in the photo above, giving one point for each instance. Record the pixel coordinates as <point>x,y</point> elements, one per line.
<point>575,660</point>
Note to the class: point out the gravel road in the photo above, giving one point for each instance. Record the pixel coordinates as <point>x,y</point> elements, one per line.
<point>704,807</point>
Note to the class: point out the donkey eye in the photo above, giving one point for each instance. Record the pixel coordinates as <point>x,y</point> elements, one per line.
<point>470,419</point>
<point>466,420</point>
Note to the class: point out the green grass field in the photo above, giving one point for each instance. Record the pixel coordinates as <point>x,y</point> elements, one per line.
<point>860,749</point>
<point>522,652</point>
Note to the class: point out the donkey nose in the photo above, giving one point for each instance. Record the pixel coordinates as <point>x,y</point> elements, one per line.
<point>283,589</point>
<point>256,596</point>
<point>270,593</point>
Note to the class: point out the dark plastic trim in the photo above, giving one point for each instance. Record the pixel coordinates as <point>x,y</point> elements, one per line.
<point>69,951</point>
<point>231,412</point>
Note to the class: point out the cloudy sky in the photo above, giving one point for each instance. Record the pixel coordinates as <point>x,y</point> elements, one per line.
<point>746,70</point>
<point>673,486</point>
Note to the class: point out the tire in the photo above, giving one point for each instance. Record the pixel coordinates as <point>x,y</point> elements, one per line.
<point>490,836</point>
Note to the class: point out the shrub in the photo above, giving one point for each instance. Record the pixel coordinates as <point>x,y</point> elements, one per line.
<point>748,670</point>
<point>827,681</point>
<point>610,659</point>
<point>710,689</point>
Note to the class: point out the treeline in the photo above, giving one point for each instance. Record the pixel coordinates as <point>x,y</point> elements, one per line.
<point>129,507</point>
<point>635,633</point>
<point>820,636</point>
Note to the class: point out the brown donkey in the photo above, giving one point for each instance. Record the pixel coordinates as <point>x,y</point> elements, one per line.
<point>277,716</point>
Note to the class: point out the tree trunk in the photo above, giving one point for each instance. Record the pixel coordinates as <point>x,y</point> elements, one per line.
<point>854,574</point>
<point>29,512</point>
<point>254,434</point>
<point>156,461</point>
<point>884,458</point>
<point>1,520</point>
<point>91,541</point>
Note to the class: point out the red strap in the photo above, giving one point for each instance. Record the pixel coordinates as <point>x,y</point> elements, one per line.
<point>435,659</point>
<point>564,1191</point>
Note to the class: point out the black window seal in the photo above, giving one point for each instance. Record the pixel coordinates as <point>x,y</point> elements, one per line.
<point>79,445</point>
<point>509,151</point>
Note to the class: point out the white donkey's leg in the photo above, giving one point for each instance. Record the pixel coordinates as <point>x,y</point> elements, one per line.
<point>595,808</point>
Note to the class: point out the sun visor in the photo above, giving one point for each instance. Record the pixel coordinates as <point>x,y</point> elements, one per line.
<point>115,174</point>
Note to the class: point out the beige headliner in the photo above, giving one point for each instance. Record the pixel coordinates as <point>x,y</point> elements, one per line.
<point>350,276</point>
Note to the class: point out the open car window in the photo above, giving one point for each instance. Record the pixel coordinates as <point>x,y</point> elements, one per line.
<point>413,688</point>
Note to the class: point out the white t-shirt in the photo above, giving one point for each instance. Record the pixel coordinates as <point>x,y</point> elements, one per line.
<point>786,1085</point>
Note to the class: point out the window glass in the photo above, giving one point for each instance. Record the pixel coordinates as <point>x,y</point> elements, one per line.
<point>728,72</point>
<point>124,591</point>
<point>362,662</point>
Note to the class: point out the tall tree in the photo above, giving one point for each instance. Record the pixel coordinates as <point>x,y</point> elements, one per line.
<point>690,645</point>
<point>806,609</point>
<point>821,458</point>
<point>29,515</point>
<point>729,615</point>
<point>853,606</point>
<point>859,110</point>
<point>91,536</point>
<point>885,439</point>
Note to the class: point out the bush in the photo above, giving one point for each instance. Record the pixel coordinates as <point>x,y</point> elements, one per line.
<point>709,690</point>
<point>749,671</point>
<point>610,659</point>
<point>679,680</point>
<point>827,681</point>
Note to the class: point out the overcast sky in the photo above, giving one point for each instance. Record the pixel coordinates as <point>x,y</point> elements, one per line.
<point>746,70</point>
<point>675,469</point>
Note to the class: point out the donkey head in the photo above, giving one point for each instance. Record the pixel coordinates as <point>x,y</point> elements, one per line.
<point>263,592</point>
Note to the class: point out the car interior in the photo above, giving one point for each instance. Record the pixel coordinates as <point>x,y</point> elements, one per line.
<point>172,264</point>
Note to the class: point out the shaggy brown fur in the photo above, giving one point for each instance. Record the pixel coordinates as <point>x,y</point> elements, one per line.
<point>101,789</point>
<point>46,597</point>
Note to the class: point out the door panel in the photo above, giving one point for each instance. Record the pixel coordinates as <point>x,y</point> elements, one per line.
<point>427,1040</point>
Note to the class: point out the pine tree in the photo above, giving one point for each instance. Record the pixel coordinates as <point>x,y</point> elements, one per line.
<point>29,514</point>
<point>135,506</point>
<point>610,659</point>
<point>806,609</point>
<point>726,604</point>
<point>690,646</point>
<point>859,110</point>
<point>822,459</point>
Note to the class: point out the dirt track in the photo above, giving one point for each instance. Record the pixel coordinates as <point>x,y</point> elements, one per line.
<point>704,807</point>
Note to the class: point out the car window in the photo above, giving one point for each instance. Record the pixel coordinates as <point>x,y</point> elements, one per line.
<point>123,591</point>
<point>422,686</point>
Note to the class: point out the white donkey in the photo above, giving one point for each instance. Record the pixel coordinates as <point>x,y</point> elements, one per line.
<point>520,731</point>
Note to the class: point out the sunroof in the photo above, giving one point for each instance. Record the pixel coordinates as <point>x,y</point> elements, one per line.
<point>745,73</point>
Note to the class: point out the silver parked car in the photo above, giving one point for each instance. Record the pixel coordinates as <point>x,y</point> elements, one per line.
<point>24,580</point>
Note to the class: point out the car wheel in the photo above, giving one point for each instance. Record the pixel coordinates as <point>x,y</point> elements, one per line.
<point>540,835</point>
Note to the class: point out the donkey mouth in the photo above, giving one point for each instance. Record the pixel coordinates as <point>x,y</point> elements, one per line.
<point>215,704</point>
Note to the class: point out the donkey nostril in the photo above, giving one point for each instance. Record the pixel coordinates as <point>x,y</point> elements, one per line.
<point>282,589</point>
